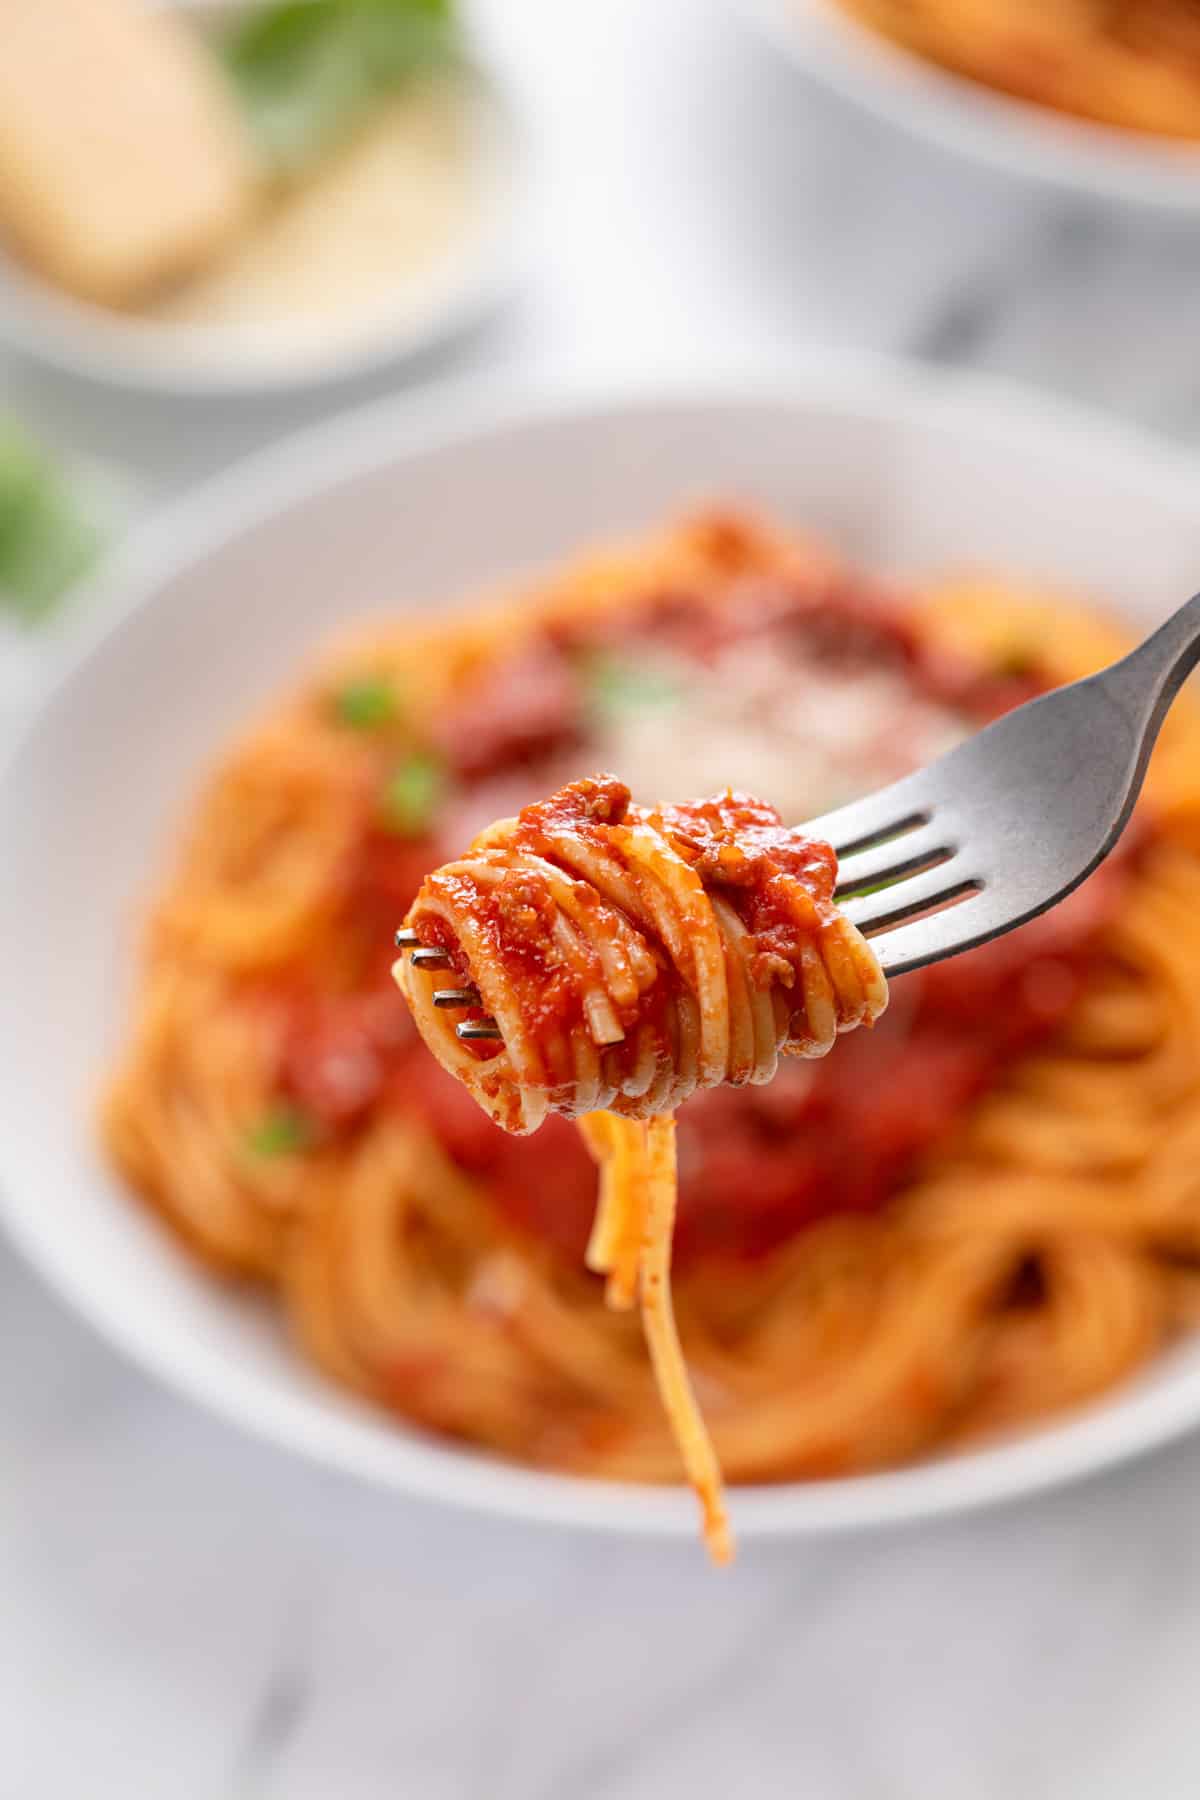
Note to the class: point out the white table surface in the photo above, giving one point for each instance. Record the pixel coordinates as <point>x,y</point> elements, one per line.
<point>189,1615</point>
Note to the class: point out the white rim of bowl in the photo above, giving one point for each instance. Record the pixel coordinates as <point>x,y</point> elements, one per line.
<point>1112,1433</point>
<point>474,280</point>
<point>1011,136</point>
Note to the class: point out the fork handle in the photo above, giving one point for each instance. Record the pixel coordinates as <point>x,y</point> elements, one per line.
<point>1144,683</point>
<point>1163,663</point>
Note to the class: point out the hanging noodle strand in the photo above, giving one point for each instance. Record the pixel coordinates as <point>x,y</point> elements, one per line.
<point>631,956</point>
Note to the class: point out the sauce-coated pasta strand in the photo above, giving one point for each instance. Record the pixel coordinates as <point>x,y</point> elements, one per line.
<point>629,956</point>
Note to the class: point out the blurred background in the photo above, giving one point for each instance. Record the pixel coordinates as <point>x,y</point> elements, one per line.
<point>627,191</point>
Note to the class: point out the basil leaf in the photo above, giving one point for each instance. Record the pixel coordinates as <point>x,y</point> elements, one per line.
<point>306,70</point>
<point>47,540</point>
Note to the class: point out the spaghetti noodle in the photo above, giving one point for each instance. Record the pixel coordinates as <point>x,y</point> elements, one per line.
<point>981,1212</point>
<point>1132,63</point>
<point>630,957</point>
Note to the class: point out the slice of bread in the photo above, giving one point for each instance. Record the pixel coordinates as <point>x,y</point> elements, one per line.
<point>124,165</point>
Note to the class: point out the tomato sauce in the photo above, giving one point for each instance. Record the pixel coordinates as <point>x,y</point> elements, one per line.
<point>756,1165</point>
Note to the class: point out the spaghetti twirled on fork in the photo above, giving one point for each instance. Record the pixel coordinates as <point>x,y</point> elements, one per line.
<point>629,956</point>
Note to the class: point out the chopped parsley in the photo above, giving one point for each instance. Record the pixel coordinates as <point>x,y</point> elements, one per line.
<point>283,1131</point>
<point>615,685</point>
<point>366,705</point>
<point>412,795</point>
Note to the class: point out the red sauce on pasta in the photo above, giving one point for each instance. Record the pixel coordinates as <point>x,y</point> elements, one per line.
<point>755,1164</point>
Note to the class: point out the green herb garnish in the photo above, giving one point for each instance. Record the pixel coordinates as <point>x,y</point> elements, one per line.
<point>412,795</point>
<point>305,70</point>
<point>283,1131</point>
<point>46,540</point>
<point>616,686</point>
<point>366,705</point>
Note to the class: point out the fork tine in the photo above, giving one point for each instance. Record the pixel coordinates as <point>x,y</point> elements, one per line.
<point>909,854</point>
<point>430,959</point>
<point>905,806</point>
<point>482,1030</point>
<point>936,936</point>
<point>892,905</point>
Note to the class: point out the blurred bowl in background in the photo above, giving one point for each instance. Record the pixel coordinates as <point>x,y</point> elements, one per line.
<point>967,119</point>
<point>215,604</point>
<point>245,327</point>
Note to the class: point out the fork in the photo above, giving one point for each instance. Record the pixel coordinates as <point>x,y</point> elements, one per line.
<point>1007,824</point>
<point>994,832</point>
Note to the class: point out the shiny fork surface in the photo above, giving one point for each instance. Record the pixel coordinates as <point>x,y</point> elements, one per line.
<point>997,830</point>
<point>1009,822</point>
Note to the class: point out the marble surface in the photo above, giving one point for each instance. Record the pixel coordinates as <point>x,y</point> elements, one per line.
<point>191,1616</point>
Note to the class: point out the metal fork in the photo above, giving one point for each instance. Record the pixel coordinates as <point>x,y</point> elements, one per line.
<point>1006,824</point>
<point>996,831</point>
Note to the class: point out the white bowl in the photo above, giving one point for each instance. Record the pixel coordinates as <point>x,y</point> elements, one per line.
<point>972,120</point>
<point>209,614</point>
<point>477,270</point>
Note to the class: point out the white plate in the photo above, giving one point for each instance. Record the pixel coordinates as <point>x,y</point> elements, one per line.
<point>969,119</point>
<point>210,613</point>
<point>478,269</point>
